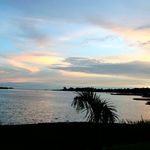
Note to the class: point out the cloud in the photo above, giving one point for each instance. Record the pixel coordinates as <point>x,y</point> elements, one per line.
<point>81,60</point>
<point>144,44</point>
<point>135,69</point>
<point>31,32</point>
<point>16,80</point>
<point>143,27</point>
<point>33,62</point>
<point>22,65</point>
<point>84,31</point>
<point>98,40</point>
<point>132,35</point>
<point>101,21</point>
<point>16,74</point>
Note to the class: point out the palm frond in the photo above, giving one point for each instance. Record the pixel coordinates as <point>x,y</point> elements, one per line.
<point>97,109</point>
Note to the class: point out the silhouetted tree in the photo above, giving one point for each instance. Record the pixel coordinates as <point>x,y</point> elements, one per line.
<point>97,109</point>
<point>64,88</point>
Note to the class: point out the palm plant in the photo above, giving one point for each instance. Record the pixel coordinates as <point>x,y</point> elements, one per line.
<point>97,109</point>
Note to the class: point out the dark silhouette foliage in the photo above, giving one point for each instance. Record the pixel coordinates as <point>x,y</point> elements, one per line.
<point>97,109</point>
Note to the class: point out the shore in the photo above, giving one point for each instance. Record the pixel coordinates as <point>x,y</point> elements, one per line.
<point>74,136</point>
<point>142,99</point>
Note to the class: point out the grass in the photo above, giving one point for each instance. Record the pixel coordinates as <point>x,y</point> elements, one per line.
<point>136,146</point>
<point>79,135</point>
<point>139,122</point>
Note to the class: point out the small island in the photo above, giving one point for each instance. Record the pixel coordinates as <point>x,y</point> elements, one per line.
<point>6,88</point>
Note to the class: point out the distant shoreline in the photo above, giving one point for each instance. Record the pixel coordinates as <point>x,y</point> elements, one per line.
<point>144,92</point>
<point>143,99</point>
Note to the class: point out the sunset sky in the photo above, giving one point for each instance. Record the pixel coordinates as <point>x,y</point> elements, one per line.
<point>56,43</point>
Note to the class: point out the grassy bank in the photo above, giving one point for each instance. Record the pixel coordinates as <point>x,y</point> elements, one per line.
<point>85,136</point>
<point>132,146</point>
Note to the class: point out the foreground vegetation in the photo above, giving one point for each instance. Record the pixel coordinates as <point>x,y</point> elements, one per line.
<point>75,136</point>
<point>97,109</point>
<point>135,146</point>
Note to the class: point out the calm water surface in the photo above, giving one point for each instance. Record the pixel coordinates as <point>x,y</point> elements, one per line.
<point>37,106</point>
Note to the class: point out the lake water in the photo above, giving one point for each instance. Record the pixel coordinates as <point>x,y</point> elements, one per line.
<point>37,106</point>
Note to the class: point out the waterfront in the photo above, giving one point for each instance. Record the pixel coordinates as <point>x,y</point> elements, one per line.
<point>39,106</point>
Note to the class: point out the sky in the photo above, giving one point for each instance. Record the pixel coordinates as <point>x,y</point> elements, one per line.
<point>57,43</point>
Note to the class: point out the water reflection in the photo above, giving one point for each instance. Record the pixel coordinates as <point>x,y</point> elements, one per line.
<point>37,106</point>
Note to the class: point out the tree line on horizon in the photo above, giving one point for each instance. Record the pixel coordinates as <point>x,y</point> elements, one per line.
<point>137,91</point>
